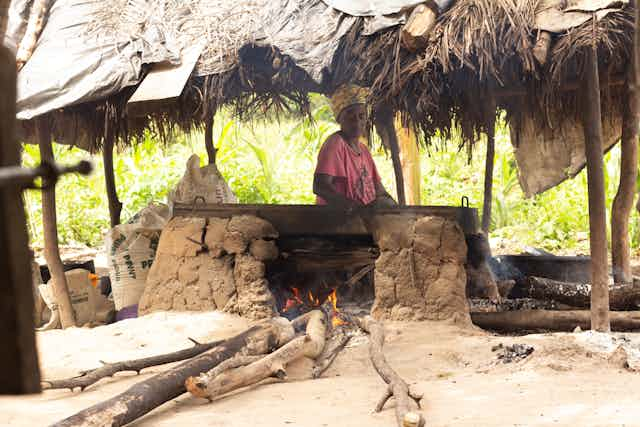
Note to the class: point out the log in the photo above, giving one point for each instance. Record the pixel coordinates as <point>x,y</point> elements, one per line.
<point>548,320</point>
<point>592,126</point>
<point>542,47</point>
<point>49,223</point>
<point>415,33</point>
<point>623,201</point>
<point>406,405</point>
<point>153,392</point>
<point>115,206</point>
<point>92,376</point>
<point>37,18</point>
<point>624,296</point>
<point>19,372</point>
<point>213,384</point>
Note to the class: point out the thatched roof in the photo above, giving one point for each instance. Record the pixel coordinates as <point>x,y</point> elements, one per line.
<point>263,54</point>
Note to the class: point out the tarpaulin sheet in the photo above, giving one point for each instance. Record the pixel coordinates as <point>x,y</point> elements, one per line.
<point>546,157</point>
<point>308,31</point>
<point>552,17</point>
<point>70,66</point>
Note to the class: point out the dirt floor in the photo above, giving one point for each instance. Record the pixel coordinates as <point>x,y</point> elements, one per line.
<point>567,380</point>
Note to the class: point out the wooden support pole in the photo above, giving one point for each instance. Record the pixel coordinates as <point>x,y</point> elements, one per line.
<point>623,201</point>
<point>115,205</point>
<point>208,138</point>
<point>592,125</point>
<point>488,169</point>
<point>49,223</point>
<point>386,130</point>
<point>410,160</point>
<point>19,371</point>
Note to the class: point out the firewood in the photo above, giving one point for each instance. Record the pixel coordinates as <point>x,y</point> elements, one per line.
<point>415,33</point>
<point>153,392</point>
<point>550,320</point>
<point>621,297</point>
<point>337,342</point>
<point>92,376</point>
<point>406,401</point>
<point>212,384</point>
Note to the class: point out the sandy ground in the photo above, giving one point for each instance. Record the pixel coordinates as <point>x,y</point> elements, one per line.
<point>566,381</point>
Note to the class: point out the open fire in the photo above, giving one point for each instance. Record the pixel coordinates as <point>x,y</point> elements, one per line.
<point>297,305</point>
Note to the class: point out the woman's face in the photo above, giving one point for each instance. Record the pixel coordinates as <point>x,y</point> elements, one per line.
<point>353,121</point>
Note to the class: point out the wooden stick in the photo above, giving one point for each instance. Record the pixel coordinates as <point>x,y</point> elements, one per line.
<point>115,206</point>
<point>212,384</point>
<point>386,130</point>
<point>405,406</point>
<point>92,376</point>
<point>359,275</point>
<point>153,392</point>
<point>331,350</point>
<point>551,320</point>
<point>208,139</point>
<point>592,125</point>
<point>623,201</point>
<point>37,16</point>
<point>49,223</point>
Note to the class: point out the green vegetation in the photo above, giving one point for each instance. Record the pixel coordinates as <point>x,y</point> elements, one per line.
<point>274,162</point>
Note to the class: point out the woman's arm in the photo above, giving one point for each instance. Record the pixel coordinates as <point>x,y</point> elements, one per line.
<point>383,198</point>
<point>323,187</point>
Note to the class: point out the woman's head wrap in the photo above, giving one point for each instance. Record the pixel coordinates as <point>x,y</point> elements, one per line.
<point>346,96</point>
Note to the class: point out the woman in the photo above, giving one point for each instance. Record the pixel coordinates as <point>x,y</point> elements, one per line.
<point>346,175</point>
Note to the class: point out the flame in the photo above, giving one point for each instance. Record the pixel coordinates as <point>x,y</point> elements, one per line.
<point>314,301</point>
<point>335,318</point>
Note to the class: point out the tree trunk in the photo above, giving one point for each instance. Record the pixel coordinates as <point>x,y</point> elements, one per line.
<point>386,130</point>
<point>488,169</point>
<point>153,392</point>
<point>115,206</point>
<point>623,202</point>
<point>592,124</point>
<point>621,297</point>
<point>49,223</point>
<point>549,320</point>
<point>214,384</point>
<point>208,139</point>
<point>19,372</point>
